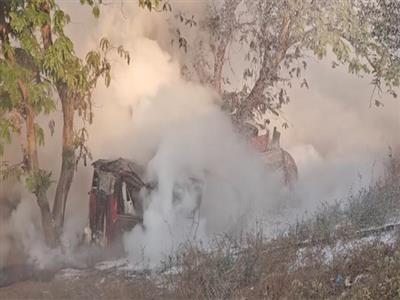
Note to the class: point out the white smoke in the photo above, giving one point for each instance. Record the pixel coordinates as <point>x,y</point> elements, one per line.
<point>151,115</point>
<point>196,140</point>
<point>177,129</point>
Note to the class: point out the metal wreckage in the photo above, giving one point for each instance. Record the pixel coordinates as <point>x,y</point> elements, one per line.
<point>117,193</point>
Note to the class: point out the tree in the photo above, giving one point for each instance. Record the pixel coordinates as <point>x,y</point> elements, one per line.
<point>383,18</point>
<point>278,37</point>
<point>38,65</point>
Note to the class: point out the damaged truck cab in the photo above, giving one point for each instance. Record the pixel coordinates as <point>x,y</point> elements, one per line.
<point>115,204</point>
<point>117,199</point>
<point>118,192</point>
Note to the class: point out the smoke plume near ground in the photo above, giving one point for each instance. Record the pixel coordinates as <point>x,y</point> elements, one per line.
<point>196,140</point>
<point>153,116</point>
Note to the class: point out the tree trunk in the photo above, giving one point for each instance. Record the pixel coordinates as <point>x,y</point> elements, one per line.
<point>225,38</point>
<point>68,160</point>
<point>269,69</point>
<point>49,230</point>
<point>219,61</point>
<point>68,149</point>
<point>264,80</point>
<point>30,154</point>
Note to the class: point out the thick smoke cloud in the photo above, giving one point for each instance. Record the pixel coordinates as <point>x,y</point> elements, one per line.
<point>196,140</point>
<point>151,115</point>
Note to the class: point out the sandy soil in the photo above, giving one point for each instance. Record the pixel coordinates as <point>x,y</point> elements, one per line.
<point>88,284</point>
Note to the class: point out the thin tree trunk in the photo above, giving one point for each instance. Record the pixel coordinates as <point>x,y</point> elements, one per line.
<point>68,149</point>
<point>49,230</point>
<point>68,160</point>
<point>220,53</point>
<point>219,61</point>
<point>30,154</point>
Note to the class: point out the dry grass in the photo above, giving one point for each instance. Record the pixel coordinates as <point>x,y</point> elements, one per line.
<point>294,265</point>
<point>321,257</point>
<point>271,270</point>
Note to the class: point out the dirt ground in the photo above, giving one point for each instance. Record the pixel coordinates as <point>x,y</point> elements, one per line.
<point>88,284</point>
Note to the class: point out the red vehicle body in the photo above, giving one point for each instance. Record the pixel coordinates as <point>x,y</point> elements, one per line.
<point>115,205</point>
<point>117,195</point>
<point>116,202</point>
<point>276,158</point>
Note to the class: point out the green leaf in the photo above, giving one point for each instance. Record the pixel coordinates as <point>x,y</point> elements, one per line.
<point>107,79</point>
<point>6,131</point>
<point>104,44</point>
<point>39,182</point>
<point>96,11</point>
<point>39,135</point>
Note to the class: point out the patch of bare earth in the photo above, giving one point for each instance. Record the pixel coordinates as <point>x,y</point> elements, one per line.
<point>88,284</point>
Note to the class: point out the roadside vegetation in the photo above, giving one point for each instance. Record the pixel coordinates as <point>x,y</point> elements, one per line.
<point>345,250</point>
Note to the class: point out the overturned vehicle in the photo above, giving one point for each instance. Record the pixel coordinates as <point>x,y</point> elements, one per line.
<point>276,158</point>
<point>117,199</point>
<point>119,193</point>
